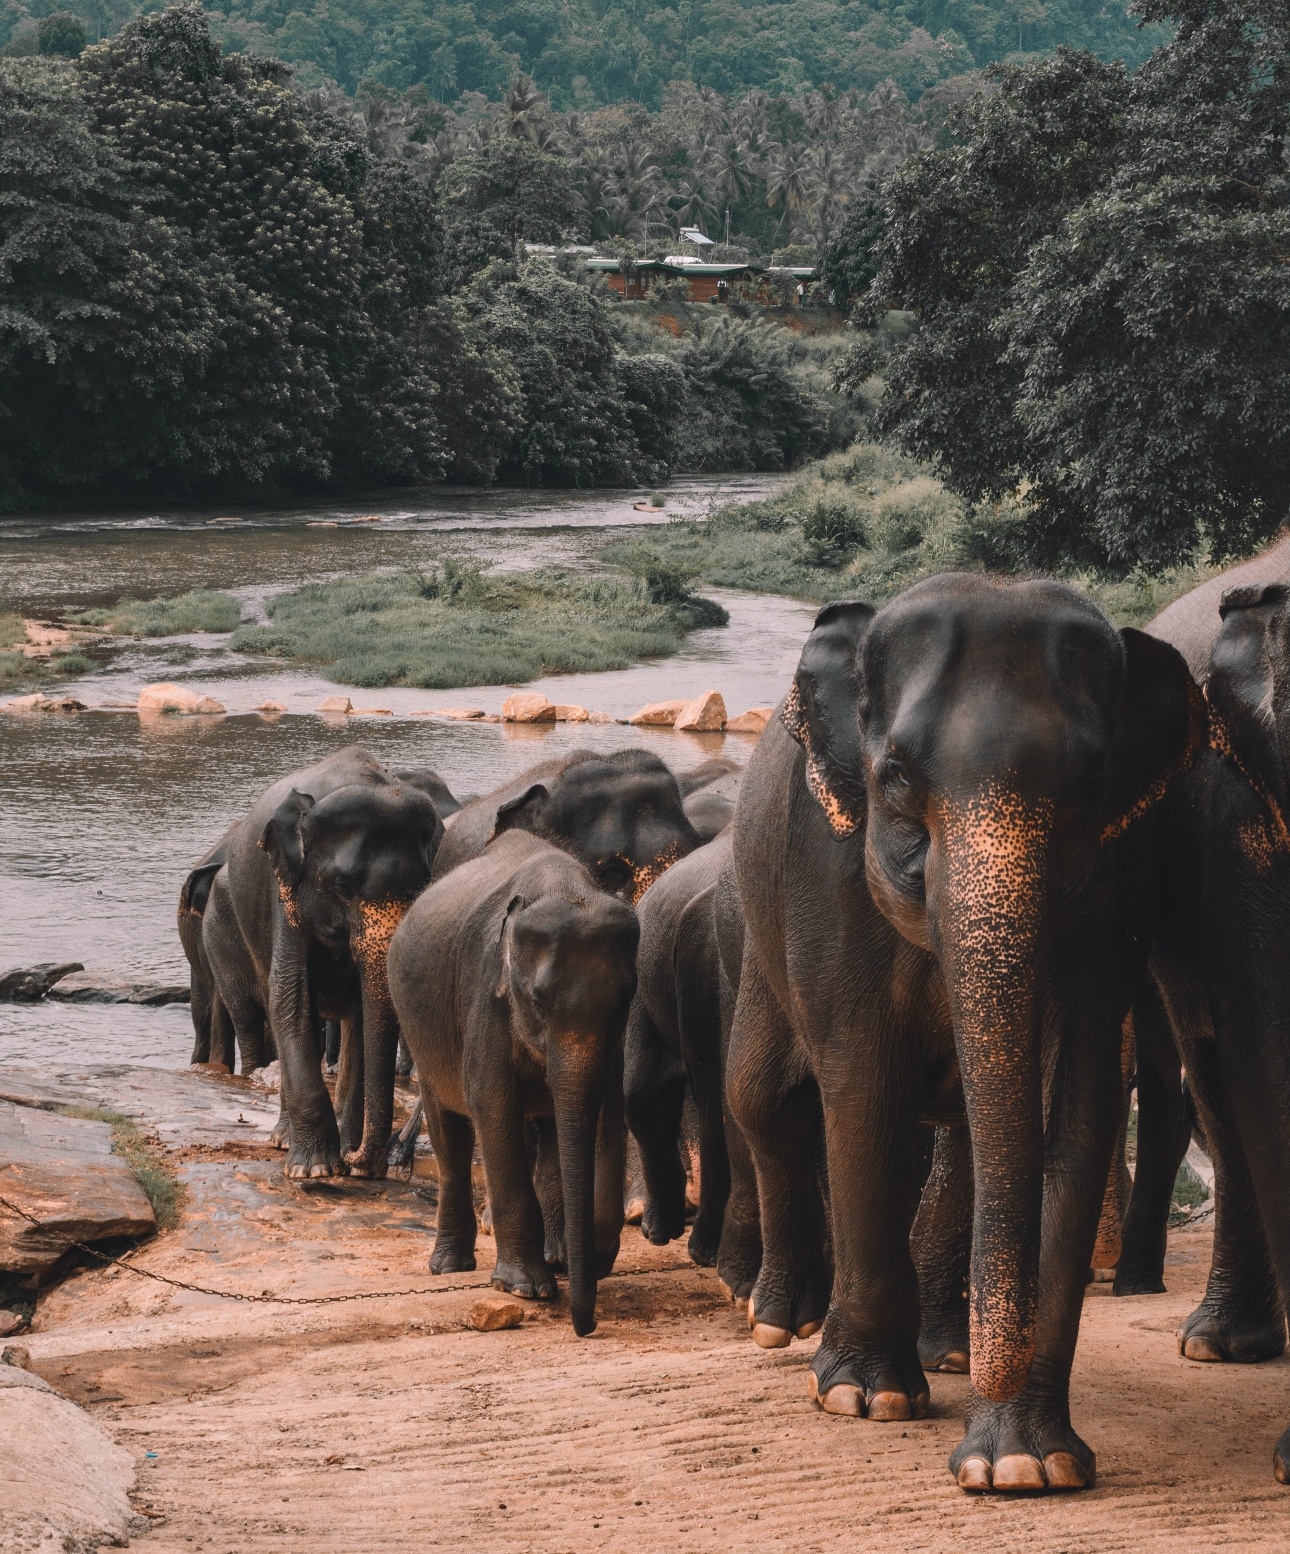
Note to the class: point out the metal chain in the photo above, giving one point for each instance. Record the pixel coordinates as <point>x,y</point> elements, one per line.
<point>266,1299</point>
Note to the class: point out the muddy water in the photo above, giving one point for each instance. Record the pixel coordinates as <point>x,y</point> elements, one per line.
<point>101,815</point>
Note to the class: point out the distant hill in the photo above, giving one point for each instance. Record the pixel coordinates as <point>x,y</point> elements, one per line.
<point>586,53</point>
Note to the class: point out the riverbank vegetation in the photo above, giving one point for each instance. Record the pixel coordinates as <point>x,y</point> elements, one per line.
<point>867,523</point>
<point>456,624</point>
<point>197,610</point>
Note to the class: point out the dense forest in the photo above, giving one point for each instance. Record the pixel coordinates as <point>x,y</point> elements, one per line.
<point>587,53</point>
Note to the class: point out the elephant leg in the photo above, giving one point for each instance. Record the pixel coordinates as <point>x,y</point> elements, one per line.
<point>1241,1318</point>
<point>776,1103</point>
<point>521,1267</point>
<point>403,1146</point>
<point>699,1024</point>
<point>313,1148</point>
<point>331,1045</point>
<point>655,1094</point>
<point>349,1081</point>
<point>201,1000</point>
<point>549,1186</point>
<point>611,1164</point>
<point>941,1243</point>
<point>452,1138</point>
<point>1028,1442</point>
<point>1163,1134</point>
<point>223,1036</point>
<point>403,1060</point>
<point>740,1250</point>
<point>236,981</point>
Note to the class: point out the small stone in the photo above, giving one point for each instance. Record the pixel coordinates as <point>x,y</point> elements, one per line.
<point>658,714</point>
<point>10,1322</point>
<point>337,705</point>
<point>491,1316</point>
<point>705,714</point>
<point>39,702</point>
<point>272,706</point>
<point>527,707</point>
<point>371,712</point>
<point>599,717</point>
<point>569,714</point>
<point>17,1355</point>
<point>457,714</point>
<point>753,721</point>
<point>207,706</point>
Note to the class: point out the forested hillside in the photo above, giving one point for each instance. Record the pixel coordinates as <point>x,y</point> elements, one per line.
<point>586,53</point>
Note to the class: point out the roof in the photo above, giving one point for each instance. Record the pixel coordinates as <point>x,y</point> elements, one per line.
<point>674,264</point>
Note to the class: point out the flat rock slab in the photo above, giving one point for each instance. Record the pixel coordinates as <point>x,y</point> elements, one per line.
<point>64,1483</point>
<point>62,1172</point>
<point>183,1107</point>
<point>29,984</point>
<point>89,987</point>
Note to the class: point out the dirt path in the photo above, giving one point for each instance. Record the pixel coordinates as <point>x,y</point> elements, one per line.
<point>387,1425</point>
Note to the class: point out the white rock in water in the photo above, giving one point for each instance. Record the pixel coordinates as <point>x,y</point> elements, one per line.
<point>753,721</point>
<point>658,714</point>
<point>336,704</point>
<point>176,700</point>
<point>528,707</point>
<point>705,714</point>
<point>571,714</point>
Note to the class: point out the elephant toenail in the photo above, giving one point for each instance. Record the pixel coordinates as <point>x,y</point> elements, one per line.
<point>890,1407</point>
<point>809,1329</point>
<point>1019,1471</point>
<point>955,1363</point>
<point>1198,1348</point>
<point>1064,1471</point>
<point>767,1337</point>
<point>844,1399</point>
<point>1279,1469</point>
<point>974,1475</point>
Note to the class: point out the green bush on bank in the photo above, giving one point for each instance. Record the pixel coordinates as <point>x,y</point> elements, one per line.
<point>197,610</point>
<point>459,625</point>
<point>867,523</point>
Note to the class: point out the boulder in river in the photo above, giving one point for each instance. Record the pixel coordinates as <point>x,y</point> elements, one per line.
<point>571,714</point>
<point>705,714</point>
<point>457,714</point>
<point>336,706</point>
<point>528,707</point>
<point>92,987</point>
<point>658,714</point>
<point>39,702</point>
<point>753,721</point>
<point>28,984</point>
<point>176,701</point>
<point>61,1171</point>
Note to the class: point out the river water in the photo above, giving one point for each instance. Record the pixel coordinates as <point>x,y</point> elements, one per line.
<point>101,814</point>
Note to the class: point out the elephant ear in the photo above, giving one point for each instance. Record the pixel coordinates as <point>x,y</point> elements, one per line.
<point>196,891</point>
<point>515,904</point>
<point>521,814</point>
<point>821,712</point>
<point>284,838</point>
<point>1246,684</point>
<point>1161,726</point>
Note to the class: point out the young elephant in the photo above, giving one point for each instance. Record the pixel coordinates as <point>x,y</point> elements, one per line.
<point>946,883</point>
<point>620,815</point>
<point>512,979</point>
<point>319,876</point>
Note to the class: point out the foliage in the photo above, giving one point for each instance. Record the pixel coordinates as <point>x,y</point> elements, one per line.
<point>197,610</point>
<point>1099,265</point>
<point>152,1170</point>
<point>458,626</point>
<point>61,35</point>
<point>13,630</point>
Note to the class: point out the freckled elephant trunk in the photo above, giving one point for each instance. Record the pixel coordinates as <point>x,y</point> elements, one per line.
<point>380,1036</point>
<point>990,904</point>
<point>576,1085</point>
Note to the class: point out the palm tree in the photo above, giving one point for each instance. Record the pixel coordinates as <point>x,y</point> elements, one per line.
<point>524,107</point>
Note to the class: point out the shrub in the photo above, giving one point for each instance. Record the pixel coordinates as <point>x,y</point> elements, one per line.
<point>197,610</point>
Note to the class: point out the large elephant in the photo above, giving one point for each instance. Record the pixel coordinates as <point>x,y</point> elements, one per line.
<point>512,978</point>
<point>619,815</point>
<point>319,875</point>
<point>673,1042</point>
<point>946,882</point>
<point>1222,969</point>
<point>212,1041</point>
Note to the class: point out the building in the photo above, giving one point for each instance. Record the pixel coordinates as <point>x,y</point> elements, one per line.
<point>634,280</point>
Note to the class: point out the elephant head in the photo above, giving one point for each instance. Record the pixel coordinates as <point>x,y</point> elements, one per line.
<point>569,974</point>
<point>986,743</point>
<point>620,816</point>
<point>348,866</point>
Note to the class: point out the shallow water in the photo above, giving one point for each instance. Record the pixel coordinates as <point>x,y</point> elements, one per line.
<point>101,815</point>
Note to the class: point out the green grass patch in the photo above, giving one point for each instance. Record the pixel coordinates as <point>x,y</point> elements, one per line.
<point>19,673</point>
<point>152,1170</point>
<point>866,523</point>
<point>197,610</point>
<point>13,631</point>
<point>1188,1195</point>
<point>459,625</point>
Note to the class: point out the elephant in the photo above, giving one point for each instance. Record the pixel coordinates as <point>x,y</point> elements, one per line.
<point>211,1031</point>
<point>674,1039</point>
<point>512,978</point>
<point>1192,623</point>
<point>1220,966</point>
<point>620,815</point>
<point>319,875</point>
<point>711,808</point>
<point>944,850</point>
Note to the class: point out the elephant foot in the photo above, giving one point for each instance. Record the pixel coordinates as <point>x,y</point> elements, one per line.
<point>311,1157</point>
<point>948,1355</point>
<point>1142,1283</point>
<point>661,1224</point>
<point>529,1283</point>
<point>555,1256</point>
<point>705,1242</point>
<point>634,1211</point>
<point>866,1382</point>
<point>1216,1334</point>
<point>783,1308</point>
<point>280,1138</point>
<point>1011,1449</point>
<point>739,1259</point>
<point>367,1162</point>
<point>1280,1459</point>
<point>451,1257</point>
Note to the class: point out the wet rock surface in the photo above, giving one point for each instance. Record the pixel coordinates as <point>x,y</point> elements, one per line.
<point>25,985</point>
<point>90,987</point>
<point>61,1172</point>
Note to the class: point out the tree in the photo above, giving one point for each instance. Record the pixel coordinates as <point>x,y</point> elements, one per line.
<point>504,194</point>
<point>1099,265</point>
<point>60,34</point>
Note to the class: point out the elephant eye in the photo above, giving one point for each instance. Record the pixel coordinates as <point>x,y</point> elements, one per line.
<point>894,774</point>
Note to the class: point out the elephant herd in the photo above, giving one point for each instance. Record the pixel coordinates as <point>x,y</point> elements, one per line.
<point>992,864</point>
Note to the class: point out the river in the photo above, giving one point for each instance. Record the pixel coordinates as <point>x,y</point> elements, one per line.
<point>101,814</point>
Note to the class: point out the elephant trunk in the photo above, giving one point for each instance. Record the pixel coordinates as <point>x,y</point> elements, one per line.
<point>576,1087</point>
<point>990,898</point>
